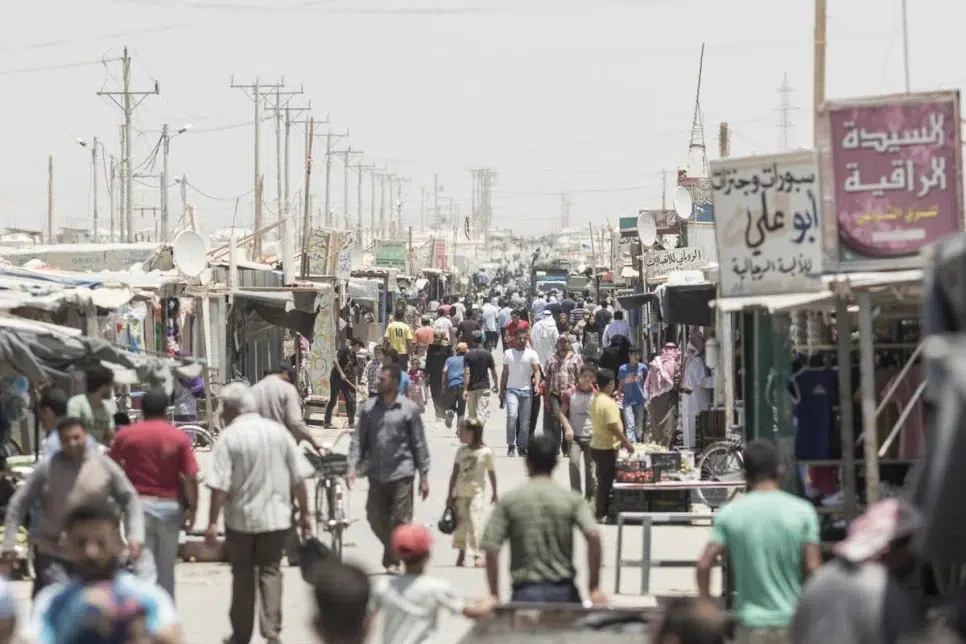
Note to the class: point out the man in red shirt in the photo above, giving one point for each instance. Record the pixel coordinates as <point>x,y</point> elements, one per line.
<point>158,459</point>
<point>514,325</point>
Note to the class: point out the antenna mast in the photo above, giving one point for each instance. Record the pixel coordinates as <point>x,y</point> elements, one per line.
<point>697,153</point>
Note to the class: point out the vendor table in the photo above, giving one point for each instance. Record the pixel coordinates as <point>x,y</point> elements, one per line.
<point>664,496</point>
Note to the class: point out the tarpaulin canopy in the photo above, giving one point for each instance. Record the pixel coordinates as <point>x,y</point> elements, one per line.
<point>295,311</point>
<point>687,303</point>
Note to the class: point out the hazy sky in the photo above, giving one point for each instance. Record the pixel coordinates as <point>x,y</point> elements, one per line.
<point>592,97</point>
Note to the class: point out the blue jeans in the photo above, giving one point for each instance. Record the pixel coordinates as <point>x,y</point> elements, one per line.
<point>162,526</point>
<point>546,592</point>
<point>634,422</point>
<point>518,405</point>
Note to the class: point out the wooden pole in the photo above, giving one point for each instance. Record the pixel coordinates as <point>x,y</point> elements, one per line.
<point>306,217</point>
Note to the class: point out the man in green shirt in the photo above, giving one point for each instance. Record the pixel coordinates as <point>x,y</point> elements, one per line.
<point>771,541</point>
<point>538,519</point>
<point>96,408</point>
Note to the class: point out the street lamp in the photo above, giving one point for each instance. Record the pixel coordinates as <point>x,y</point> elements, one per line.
<point>165,140</point>
<point>93,147</point>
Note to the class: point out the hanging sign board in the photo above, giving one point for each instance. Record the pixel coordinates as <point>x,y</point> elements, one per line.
<point>439,255</point>
<point>392,253</point>
<point>658,264</point>
<point>767,225</point>
<point>891,176</point>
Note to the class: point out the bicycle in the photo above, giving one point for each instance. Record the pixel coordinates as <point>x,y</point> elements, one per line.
<point>721,461</point>
<point>331,493</point>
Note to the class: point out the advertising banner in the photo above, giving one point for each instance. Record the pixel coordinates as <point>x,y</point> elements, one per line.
<point>768,228</point>
<point>658,264</point>
<point>891,178</point>
<point>392,253</point>
<point>440,260</point>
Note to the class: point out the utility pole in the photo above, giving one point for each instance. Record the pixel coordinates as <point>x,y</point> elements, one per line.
<point>373,173</point>
<point>94,181</point>
<point>164,182</point>
<point>50,199</point>
<point>256,89</point>
<point>306,213</point>
<point>436,219</point>
<point>128,102</point>
<point>110,198</point>
<point>277,102</point>
<point>360,168</point>
<point>346,156</point>
<point>286,186</point>
<point>122,190</point>
<point>330,138</point>
<point>422,209</point>
<point>664,190</point>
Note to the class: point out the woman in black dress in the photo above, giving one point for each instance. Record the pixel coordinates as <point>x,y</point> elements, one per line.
<point>436,355</point>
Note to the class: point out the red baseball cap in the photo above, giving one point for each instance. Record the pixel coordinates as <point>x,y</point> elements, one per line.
<point>411,541</point>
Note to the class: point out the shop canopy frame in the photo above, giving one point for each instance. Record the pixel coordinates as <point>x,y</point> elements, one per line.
<point>846,293</point>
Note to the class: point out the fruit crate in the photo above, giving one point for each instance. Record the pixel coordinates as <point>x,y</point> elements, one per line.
<point>634,473</point>
<point>649,501</point>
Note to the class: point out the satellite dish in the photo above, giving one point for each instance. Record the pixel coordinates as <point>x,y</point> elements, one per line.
<point>646,229</point>
<point>190,253</point>
<point>683,203</point>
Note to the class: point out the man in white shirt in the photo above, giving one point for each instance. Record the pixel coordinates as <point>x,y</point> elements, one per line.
<point>521,377</point>
<point>458,310</point>
<point>257,469</point>
<point>491,324</point>
<point>539,304</point>
<point>544,340</point>
<point>617,326</point>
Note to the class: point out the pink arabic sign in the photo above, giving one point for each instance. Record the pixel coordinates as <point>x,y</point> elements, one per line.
<point>894,165</point>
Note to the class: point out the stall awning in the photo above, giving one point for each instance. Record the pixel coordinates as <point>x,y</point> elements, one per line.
<point>687,303</point>
<point>292,310</point>
<point>634,300</point>
<point>772,303</point>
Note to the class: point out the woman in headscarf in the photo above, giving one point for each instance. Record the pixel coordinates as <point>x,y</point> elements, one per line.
<point>617,354</point>
<point>436,355</point>
<point>590,338</point>
<point>696,386</point>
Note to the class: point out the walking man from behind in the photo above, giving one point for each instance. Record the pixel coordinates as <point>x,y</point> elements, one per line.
<point>538,519</point>
<point>478,361</point>
<point>574,416</point>
<point>257,471</point>
<point>158,459</point>
<point>391,438</point>
<point>771,540</point>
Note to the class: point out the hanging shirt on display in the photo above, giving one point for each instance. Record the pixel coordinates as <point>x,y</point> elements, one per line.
<point>817,393</point>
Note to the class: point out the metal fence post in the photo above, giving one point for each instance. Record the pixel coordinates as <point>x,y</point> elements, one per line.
<point>646,525</point>
<point>620,541</point>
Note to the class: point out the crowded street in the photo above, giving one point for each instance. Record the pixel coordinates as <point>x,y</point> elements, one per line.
<point>204,589</point>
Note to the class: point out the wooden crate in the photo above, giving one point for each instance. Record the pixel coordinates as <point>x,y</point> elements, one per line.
<point>649,501</point>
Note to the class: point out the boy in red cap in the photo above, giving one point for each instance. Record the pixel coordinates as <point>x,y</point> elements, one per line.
<point>411,602</point>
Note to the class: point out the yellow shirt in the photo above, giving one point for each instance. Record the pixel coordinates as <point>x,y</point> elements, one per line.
<point>603,412</point>
<point>398,335</point>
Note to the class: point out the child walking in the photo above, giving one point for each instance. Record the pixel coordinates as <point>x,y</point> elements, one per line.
<point>411,603</point>
<point>467,489</point>
<point>415,392</point>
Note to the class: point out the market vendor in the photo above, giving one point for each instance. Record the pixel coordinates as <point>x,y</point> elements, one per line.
<point>696,386</point>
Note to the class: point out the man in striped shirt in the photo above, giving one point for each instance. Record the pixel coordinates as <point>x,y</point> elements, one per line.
<point>257,470</point>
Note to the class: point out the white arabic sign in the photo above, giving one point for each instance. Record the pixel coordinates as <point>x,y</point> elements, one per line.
<point>658,264</point>
<point>767,223</point>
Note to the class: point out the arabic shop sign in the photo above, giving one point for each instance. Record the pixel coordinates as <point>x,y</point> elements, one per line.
<point>700,189</point>
<point>891,171</point>
<point>658,264</point>
<point>391,253</point>
<point>768,226</point>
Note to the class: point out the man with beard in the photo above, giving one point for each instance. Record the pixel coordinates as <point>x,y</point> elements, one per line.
<point>101,598</point>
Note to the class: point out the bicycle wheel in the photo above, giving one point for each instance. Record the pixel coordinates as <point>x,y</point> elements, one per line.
<point>200,437</point>
<point>320,507</point>
<point>337,516</point>
<point>329,512</point>
<point>720,462</point>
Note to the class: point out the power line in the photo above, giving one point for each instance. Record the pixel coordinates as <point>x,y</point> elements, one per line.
<point>49,68</point>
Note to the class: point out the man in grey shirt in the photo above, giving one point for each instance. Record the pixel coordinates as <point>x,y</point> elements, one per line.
<point>391,438</point>
<point>277,399</point>
<point>863,595</point>
<point>74,476</point>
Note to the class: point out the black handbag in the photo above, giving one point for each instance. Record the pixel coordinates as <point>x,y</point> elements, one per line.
<point>447,522</point>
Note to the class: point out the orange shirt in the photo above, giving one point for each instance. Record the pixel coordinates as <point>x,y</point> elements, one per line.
<point>425,335</point>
